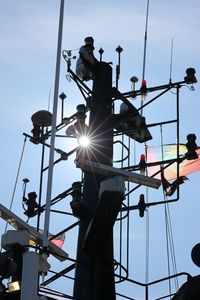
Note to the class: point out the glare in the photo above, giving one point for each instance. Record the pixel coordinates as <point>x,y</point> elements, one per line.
<point>84,141</point>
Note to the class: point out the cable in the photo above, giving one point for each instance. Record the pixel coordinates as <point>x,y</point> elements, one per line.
<point>16,180</point>
<point>166,219</point>
<point>147,229</point>
<point>128,214</point>
<point>120,224</point>
<point>169,232</point>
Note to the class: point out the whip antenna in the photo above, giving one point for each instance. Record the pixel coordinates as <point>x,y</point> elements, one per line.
<point>143,86</point>
<point>171,61</point>
<point>145,41</point>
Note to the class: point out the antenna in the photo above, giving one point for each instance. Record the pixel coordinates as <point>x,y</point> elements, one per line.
<point>145,42</point>
<point>171,60</point>
<point>119,51</point>
<point>49,99</point>
<point>143,87</point>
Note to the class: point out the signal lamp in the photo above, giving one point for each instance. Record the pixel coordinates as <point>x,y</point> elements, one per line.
<point>141,206</point>
<point>143,90</point>
<point>190,78</point>
<point>142,164</point>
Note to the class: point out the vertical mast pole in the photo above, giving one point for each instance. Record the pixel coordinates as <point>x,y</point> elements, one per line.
<point>94,275</point>
<point>53,131</point>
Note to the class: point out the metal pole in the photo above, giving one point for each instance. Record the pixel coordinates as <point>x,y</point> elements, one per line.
<point>94,276</point>
<point>177,135</point>
<point>53,131</point>
<point>30,274</point>
<point>146,292</point>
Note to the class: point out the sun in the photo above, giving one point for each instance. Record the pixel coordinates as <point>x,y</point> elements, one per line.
<point>84,141</point>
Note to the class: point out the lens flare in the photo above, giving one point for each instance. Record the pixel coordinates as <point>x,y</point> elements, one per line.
<point>84,141</point>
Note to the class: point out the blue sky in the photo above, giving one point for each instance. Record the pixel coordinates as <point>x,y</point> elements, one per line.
<point>28,37</point>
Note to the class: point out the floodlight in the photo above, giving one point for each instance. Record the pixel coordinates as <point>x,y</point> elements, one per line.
<point>132,124</point>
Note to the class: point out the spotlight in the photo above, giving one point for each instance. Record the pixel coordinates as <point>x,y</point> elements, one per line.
<point>130,122</point>
<point>84,141</point>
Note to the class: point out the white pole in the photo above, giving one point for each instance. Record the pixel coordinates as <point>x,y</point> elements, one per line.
<point>53,131</point>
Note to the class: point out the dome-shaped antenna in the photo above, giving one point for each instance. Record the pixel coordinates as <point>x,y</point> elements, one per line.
<point>42,118</point>
<point>195,254</point>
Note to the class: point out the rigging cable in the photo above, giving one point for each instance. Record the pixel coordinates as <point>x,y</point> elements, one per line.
<point>120,224</point>
<point>169,232</point>
<point>128,214</point>
<point>166,219</point>
<point>16,180</point>
<point>147,229</point>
